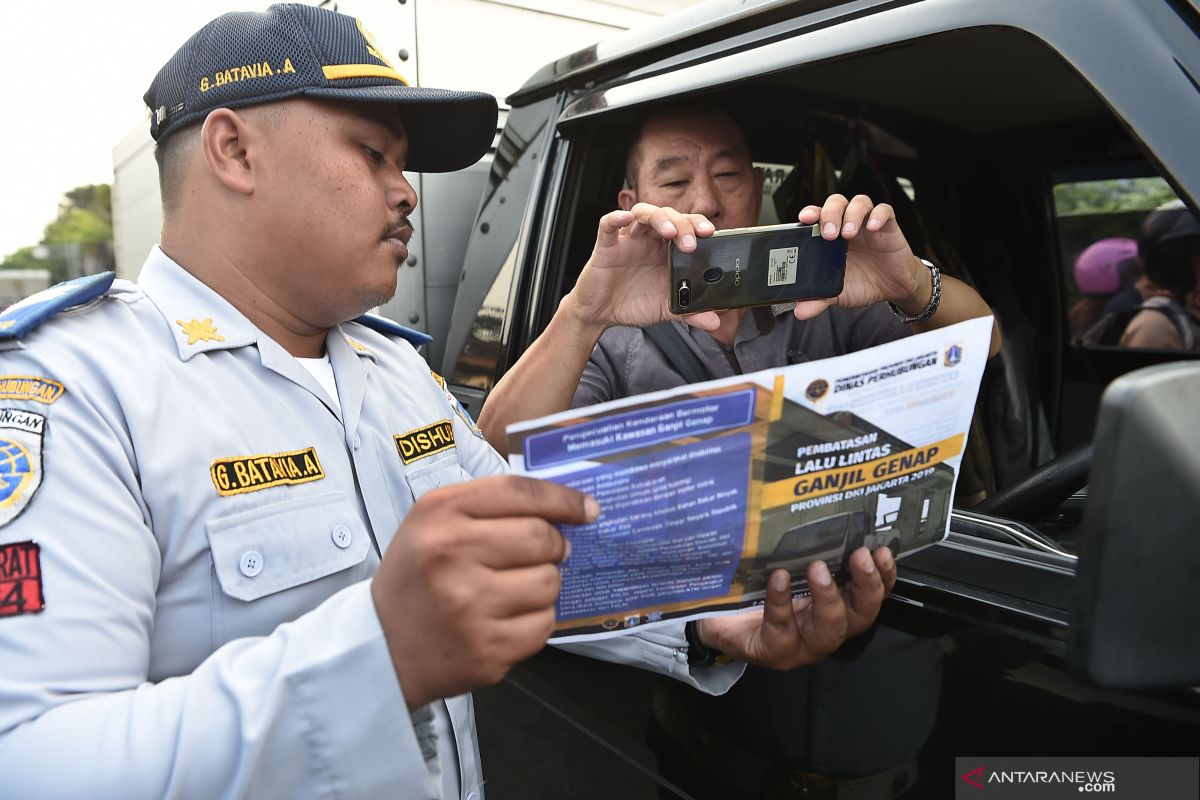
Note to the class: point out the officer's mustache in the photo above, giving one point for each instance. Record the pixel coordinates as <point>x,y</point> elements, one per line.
<point>395,229</point>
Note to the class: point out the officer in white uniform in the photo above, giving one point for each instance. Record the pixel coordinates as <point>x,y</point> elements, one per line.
<point>211,584</point>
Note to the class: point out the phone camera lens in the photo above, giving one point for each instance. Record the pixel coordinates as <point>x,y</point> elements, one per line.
<point>685,294</point>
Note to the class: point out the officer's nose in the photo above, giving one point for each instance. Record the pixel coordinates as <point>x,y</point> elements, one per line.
<point>705,198</point>
<point>401,195</point>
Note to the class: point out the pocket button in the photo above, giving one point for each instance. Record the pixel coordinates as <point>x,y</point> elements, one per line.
<point>251,563</point>
<point>342,537</point>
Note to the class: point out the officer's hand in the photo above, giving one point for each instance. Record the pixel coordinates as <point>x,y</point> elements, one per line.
<point>468,585</point>
<point>879,263</point>
<point>625,281</point>
<point>789,632</point>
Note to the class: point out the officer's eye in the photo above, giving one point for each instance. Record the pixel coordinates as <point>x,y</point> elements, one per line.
<point>373,154</point>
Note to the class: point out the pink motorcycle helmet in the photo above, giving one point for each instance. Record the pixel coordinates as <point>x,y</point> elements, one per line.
<point>1097,267</point>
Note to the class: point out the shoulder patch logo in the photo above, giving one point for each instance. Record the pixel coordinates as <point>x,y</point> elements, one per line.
<point>251,473</point>
<point>30,387</point>
<point>21,435</point>
<point>200,330</point>
<point>422,442</point>
<point>457,406</point>
<point>20,579</point>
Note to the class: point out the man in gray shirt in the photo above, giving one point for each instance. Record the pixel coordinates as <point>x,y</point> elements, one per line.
<point>689,173</point>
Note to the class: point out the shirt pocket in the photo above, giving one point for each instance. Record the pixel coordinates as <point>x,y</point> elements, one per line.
<point>272,564</point>
<point>443,472</point>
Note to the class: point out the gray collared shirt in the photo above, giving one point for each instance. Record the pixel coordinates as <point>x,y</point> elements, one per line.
<point>624,362</point>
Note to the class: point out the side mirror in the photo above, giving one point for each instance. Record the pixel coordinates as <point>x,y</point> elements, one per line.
<point>1136,617</point>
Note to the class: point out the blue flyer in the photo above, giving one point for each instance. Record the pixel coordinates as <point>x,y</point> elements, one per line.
<point>708,489</point>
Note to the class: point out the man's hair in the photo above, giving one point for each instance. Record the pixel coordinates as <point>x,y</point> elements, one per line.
<point>173,153</point>
<point>172,156</point>
<point>633,154</point>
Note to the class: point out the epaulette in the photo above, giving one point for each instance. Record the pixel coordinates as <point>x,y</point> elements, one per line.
<point>20,318</point>
<point>387,326</point>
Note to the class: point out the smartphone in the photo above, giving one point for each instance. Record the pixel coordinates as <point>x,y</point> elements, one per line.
<point>756,267</point>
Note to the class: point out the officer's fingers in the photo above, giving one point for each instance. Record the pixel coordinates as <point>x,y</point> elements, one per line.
<point>824,629</point>
<point>526,634</point>
<point>519,591</point>
<point>513,542</point>
<point>885,561</point>
<point>610,227</point>
<point>881,215</point>
<point>865,593</point>
<point>503,643</point>
<point>856,212</point>
<point>519,496</point>
<point>831,215</point>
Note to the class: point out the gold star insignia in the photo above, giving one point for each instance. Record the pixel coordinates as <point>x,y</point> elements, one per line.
<point>200,331</point>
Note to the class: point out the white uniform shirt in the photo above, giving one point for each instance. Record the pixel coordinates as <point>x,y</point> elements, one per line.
<point>207,521</point>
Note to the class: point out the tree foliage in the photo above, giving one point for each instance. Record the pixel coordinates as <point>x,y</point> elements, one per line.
<point>79,237</point>
<point>1111,196</point>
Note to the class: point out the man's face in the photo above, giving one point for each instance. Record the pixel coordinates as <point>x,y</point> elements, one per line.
<point>696,163</point>
<point>333,208</point>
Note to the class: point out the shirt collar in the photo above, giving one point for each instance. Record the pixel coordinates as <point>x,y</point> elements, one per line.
<point>759,321</point>
<point>358,347</point>
<point>203,320</point>
<point>200,319</point>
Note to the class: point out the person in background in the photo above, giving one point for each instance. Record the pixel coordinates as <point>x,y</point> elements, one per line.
<point>1098,276</point>
<point>1169,248</point>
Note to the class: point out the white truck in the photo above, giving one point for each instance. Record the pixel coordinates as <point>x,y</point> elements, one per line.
<point>488,45</point>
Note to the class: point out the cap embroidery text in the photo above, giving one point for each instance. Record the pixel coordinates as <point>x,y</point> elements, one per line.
<point>261,69</point>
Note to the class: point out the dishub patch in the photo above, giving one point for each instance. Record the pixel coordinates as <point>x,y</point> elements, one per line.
<point>422,442</point>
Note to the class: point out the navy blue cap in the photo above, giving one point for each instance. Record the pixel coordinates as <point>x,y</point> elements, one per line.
<point>293,50</point>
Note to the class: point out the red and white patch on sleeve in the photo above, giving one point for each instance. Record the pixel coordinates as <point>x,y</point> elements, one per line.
<point>20,579</point>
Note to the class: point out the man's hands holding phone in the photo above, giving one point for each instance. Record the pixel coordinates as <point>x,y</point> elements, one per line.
<point>625,282</point>
<point>880,265</point>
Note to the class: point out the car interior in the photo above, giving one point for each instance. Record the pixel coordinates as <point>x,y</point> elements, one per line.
<point>1002,164</point>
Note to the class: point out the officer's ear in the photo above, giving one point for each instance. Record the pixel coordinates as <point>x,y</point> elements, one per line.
<point>224,140</point>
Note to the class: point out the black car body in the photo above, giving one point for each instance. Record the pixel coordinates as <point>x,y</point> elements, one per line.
<point>983,122</point>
